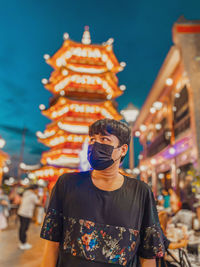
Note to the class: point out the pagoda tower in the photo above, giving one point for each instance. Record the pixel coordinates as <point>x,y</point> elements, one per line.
<point>84,86</point>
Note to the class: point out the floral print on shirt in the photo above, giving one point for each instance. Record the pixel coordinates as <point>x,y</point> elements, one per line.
<point>152,243</point>
<point>104,243</point>
<point>51,226</point>
<point>98,242</point>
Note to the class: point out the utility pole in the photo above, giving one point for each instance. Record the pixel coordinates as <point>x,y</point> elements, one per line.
<point>21,151</point>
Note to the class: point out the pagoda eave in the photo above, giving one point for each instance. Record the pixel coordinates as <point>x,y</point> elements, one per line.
<point>65,107</point>
<point>51,173</point>
<point>93,55</point>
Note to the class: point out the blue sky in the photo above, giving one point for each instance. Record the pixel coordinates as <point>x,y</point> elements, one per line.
<point>29,29</point>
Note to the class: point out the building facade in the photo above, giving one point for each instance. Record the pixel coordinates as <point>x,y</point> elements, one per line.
<point>169,122</point>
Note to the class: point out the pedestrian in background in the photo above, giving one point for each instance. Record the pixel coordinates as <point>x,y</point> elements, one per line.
<point>166,197</point>
<point>4,210</point>
<point>26,209</point>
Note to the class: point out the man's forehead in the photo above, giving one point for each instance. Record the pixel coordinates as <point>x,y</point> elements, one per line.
<point>112,136</point>
<point>102,134</point>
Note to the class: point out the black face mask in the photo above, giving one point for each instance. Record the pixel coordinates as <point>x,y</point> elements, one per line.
<point>100,155</point>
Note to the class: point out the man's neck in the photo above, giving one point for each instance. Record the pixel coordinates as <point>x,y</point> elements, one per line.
<point>108,179</point>
<point>109,174</point>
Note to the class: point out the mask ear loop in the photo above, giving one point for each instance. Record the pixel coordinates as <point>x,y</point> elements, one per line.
<point>120,156</point>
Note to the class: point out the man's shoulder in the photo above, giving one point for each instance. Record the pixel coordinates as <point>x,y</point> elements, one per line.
<point>73,178</point>
<point>136,183</point>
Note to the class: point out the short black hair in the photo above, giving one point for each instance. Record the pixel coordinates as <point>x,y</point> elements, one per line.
<point>185,206</point>
<point>118,128</point>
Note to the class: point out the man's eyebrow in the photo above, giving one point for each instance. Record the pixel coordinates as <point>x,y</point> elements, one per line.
<point>107,135</point>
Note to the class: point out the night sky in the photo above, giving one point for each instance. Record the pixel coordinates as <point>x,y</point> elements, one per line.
<point>29,29</point>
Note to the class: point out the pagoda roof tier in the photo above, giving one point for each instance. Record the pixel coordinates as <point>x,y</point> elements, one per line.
<point>54,154</point>
<point>72,84</point>
<point>65,125</point>
<point>51,173</point>
<point>61,137</point>
<point>62,161</point>
<point>90,58</point>
<point>81,111</point>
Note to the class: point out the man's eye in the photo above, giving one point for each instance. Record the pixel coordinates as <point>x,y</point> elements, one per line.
<point>105,139</point>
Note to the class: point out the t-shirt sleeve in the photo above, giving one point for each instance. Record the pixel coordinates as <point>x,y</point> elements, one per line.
<point>151,236</point>
<point>52,225</point>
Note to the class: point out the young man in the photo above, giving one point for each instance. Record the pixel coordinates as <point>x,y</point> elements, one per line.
<point>101,218</point>
<point>25,213</point>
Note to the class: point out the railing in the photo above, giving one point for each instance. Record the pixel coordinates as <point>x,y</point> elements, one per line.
<point>158,143</point>
<point>182,125</point>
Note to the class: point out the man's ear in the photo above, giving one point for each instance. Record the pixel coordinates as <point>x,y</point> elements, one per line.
<point>124,149</point>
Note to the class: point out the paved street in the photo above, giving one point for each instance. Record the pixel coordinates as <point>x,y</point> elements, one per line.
<point>12,256</point>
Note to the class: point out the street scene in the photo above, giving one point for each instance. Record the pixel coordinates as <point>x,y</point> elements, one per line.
<point>100,134</point>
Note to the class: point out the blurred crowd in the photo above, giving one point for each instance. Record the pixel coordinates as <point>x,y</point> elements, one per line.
<point>179,216</point>
<point>23,205</point>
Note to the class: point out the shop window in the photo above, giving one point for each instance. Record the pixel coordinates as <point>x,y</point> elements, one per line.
<point>182,112</point>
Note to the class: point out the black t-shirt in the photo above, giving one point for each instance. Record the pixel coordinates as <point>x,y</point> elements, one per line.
<point>100,228</point>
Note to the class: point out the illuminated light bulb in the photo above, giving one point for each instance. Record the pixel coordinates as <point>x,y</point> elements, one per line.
<point>2,142</point>
<point>22,165</point>
<point>153,161</point>
<point>65,72</point>
<point>143,168</point>
<point>172,151</point>
<point>109,48</point>
<point>174,108</point>
<point>104,57</point>
<point>31,176</point>
<point>177,95</point>
<point>122,87</point>
<point>26,181</point>
<point>123,64</point>
<point>110,41</point>
<point>140,157</point>
<point>42,107</point>
<point>62,93</point>
<point>158,126</point>
<point>109,65</point>
<point>46,56</point>
<point>161,175</point>
<point>136,170</point>
<point>11,180</point>
<point>178,170</point>
<point>44,81</point>
<point>158,105</point>
<point>152,110</point>
<point>5,169</point>
<point>137,133</point>
<point>38,133</point>
<point>169,81</point>
<point>66,36</point>
<point>54,114</point>
<point>109,96</point>
<point>128,170</point>
<point>143,127</point>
